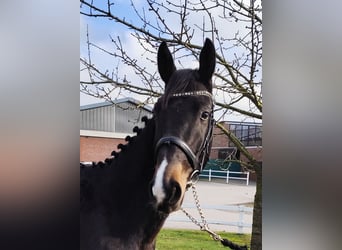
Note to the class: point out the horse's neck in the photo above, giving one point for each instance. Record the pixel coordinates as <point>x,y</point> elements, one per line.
<point>123,180</point>
<point>134,164</point>
<point>134,169</point>
<point>118,195</point>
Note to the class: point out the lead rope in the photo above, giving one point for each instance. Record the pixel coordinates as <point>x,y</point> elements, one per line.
<point>204,225</point>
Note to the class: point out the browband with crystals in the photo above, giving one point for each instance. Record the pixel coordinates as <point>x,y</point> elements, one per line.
<point>193,93</point>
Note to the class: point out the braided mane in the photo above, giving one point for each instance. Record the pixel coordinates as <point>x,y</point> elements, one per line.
<point>110,161</point>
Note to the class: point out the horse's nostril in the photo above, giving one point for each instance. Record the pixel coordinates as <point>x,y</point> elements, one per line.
<point>175,193</point>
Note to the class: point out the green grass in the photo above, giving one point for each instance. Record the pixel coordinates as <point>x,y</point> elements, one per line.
<point>172,239</point>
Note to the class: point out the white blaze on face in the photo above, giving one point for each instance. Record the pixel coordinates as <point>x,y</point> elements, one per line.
<point>158,189</point>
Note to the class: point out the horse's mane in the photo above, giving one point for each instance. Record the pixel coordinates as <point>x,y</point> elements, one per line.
<point>110,161</point>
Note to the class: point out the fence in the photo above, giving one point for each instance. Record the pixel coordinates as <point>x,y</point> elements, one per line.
<point>211,174</point>
<point>244,219</point>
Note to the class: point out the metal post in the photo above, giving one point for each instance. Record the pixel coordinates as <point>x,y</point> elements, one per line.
<point>227,176</point>
<point>247,178</point>
<point>210,174</point>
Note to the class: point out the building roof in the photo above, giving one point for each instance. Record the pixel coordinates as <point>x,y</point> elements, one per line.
<point>116,102</point>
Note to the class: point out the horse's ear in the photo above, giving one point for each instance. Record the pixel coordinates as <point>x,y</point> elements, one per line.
<point>166,67</point>
<point>207,62</point>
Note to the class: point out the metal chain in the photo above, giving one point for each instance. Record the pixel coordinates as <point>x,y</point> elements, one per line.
<point>202,225</point>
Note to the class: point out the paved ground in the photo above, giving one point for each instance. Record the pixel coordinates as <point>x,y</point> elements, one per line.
<point>216,194</point>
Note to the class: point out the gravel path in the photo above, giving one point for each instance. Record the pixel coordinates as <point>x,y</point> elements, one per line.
<point>217,194</point>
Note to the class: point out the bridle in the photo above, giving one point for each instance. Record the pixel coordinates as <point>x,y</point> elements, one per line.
<point>196,160</point>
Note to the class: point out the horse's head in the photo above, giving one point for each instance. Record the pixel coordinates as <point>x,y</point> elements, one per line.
<point>184,122</point>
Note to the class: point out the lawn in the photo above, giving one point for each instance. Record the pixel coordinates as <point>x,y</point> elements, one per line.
<point>172,239</point>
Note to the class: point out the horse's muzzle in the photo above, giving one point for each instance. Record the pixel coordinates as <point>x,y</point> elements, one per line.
<point>168,186</point>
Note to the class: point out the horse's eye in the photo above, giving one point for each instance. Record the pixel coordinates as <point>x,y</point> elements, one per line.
<point>204,115</point>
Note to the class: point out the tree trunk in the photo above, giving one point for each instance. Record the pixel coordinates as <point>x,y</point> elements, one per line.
<point>256,241</point>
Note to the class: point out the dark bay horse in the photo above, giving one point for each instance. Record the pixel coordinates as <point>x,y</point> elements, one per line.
<point>126,199</point>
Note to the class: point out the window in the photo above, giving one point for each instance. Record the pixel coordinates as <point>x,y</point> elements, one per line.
<point>248,134</point>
